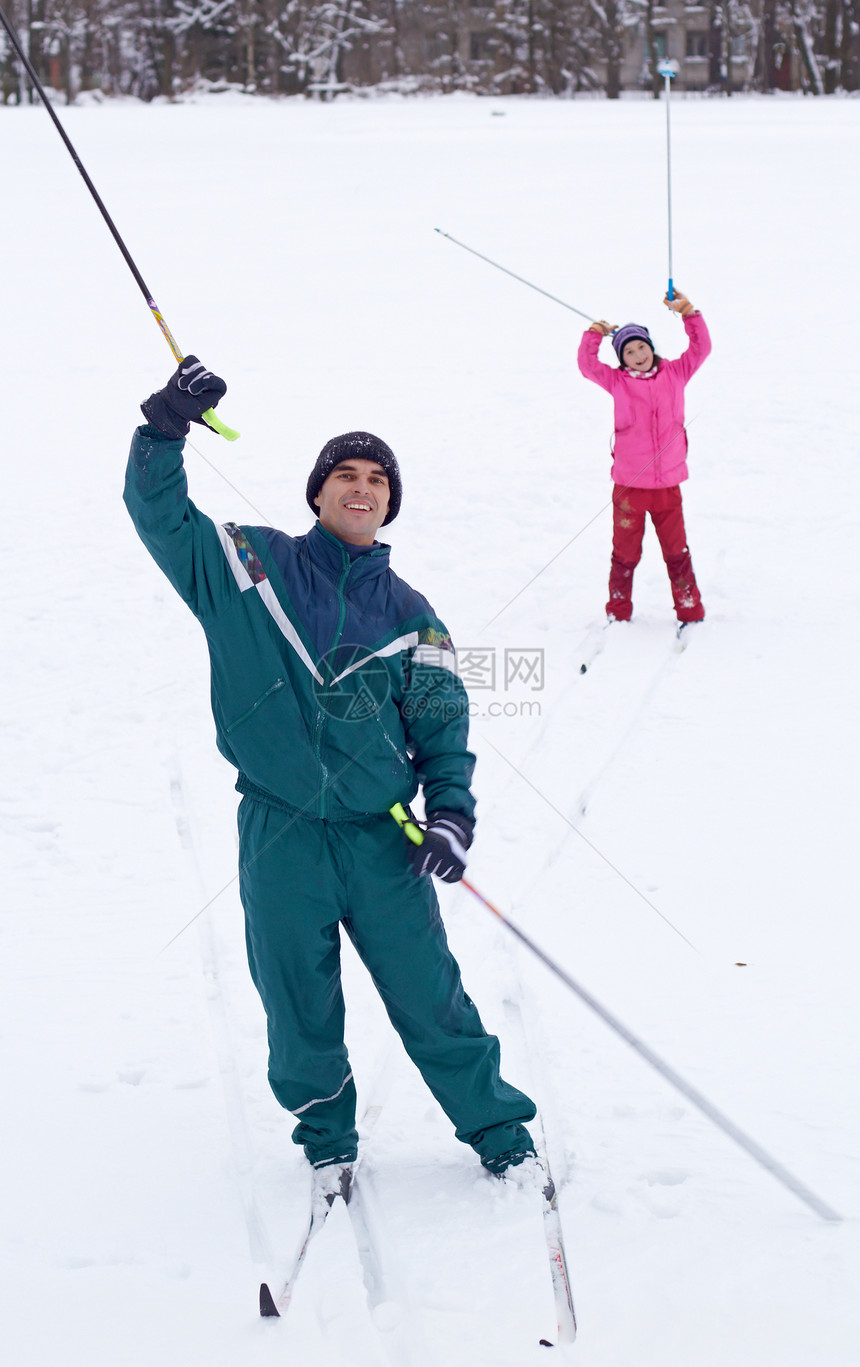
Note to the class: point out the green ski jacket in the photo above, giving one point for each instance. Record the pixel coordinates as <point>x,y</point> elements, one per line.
<point>334,684</point>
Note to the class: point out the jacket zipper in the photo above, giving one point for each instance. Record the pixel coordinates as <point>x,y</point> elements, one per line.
<point>321,718</point>
<point>273,688</point>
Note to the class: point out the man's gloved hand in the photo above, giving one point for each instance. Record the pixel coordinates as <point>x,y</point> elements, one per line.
<point>188,394</point>
<point>447,837</point>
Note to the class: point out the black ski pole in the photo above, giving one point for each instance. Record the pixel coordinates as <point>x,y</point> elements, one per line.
<point>414,833</point>
<point>513,276</point>
<point>209,416</point>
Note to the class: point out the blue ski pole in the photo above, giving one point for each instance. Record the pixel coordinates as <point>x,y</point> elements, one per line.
<point>668,72</point>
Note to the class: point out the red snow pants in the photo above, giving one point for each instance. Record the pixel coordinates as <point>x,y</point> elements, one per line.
<point>629,508</point>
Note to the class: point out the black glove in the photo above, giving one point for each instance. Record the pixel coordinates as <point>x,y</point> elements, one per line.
<point>447,837</point>
<point>192,391</point>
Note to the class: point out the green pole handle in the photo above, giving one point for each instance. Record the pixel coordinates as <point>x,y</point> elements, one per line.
<point>212,420</point>
<point>409,828</point>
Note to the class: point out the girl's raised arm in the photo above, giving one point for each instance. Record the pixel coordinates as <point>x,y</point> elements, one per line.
<point>587,360</point>
<point>696,328</point>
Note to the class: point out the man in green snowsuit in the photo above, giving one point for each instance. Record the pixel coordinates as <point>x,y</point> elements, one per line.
<point>335,694</point>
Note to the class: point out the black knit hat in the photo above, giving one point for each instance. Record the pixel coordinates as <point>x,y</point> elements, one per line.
<point>357,446</point>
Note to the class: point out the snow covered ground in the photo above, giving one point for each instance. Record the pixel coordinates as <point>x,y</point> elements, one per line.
<point>679,831</point>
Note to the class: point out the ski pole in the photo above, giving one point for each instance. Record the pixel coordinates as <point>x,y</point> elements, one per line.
<point>413,832</point>
<point>668,72</point>
<point>522,281</point>
<point>209,416</point>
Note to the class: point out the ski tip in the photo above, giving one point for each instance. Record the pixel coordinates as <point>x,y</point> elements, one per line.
<point>267,1303</point>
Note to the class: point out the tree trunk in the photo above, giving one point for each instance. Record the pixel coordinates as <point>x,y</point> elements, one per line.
<point>651,49</point>
<point>769,38</point>
<point>805,48</point>
<point>396,42</point>
<point>338,48</point>
<point>850,51</point>
<point>613,40</point>
<point>728,35</point>
<point>715,45</point>
<point>67,69</point>
<point>832,63</point>
<point>168,63</point>
<point>250,56</point>
<point>531,60</point>
<point>86,59</point>
<point>28,95</point>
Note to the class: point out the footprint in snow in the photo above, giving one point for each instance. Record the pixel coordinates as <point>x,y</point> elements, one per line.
<point>668,1177</point>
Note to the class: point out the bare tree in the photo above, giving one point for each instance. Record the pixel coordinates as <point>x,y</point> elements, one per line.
<point>804,21</point>
<point>610,16</point>
<point>652,58</point>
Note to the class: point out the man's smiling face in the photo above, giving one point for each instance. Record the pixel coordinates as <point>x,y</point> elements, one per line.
<point>353,501</point>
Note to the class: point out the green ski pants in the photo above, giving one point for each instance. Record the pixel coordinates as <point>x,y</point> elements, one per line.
<point>300,880</point>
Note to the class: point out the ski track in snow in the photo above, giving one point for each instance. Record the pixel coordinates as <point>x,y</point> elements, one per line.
<point>707,797</point>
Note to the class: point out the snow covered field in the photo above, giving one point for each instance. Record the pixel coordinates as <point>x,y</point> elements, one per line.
<point>678,830</point>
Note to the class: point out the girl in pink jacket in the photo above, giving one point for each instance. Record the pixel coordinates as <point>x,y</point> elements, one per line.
<point>650,452</point>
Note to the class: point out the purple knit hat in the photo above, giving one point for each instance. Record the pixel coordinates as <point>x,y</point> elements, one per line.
<point>630,332</point>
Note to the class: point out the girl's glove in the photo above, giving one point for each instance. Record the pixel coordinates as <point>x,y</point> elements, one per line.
<point>447,837</point>
<point>680,304</point>
<point>188,394</point>
<point>605,329</point>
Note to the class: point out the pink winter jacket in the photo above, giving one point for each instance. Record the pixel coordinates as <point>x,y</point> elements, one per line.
<point>650,449</point>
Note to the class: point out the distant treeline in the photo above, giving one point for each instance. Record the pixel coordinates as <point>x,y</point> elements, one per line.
<point>556,47</point>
